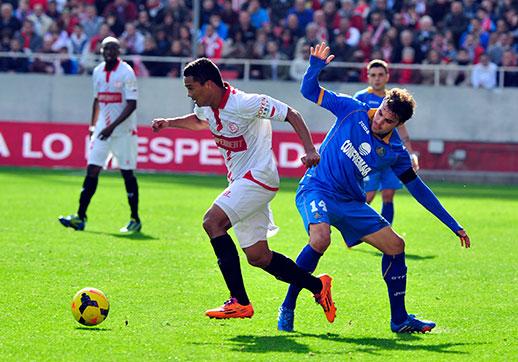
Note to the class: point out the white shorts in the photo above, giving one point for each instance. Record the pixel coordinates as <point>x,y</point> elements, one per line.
<point>247,205</point>
<point>123,149</point>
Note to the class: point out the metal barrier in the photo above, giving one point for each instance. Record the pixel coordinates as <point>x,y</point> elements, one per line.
<point>245,66</point>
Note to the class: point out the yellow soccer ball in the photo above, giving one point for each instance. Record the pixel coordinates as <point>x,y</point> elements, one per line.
<point>90,306</point>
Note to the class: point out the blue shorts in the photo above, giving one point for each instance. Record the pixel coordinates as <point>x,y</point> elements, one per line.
<point>354,219</point>
<point>385,179</point>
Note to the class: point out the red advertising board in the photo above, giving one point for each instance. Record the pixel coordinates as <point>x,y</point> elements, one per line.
<point>64,145</point>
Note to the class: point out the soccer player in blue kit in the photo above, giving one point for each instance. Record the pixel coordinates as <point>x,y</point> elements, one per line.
<point>331,193</point>
<point>384,180</point>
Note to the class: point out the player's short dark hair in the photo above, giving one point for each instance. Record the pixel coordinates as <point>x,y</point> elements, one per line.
<point>401,103</point>
<point>202,70</point>
<point>377,63</point>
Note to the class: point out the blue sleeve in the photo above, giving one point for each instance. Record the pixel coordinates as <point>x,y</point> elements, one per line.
<point>338,104</point>
<point>427,198</point>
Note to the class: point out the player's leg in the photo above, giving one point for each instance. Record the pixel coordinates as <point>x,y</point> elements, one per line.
<point>313,209</point>
<point>394,273</point>
<point>387,208</point>
<point>130,182</point>
<point>78,221</point>
<point>216,223</point>
<point>124,148</point>
<point>389,184</point>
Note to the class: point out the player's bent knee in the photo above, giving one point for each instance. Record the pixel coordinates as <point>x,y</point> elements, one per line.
<point>259,261</point>
<point>320,241</point>
<point>396,246</point>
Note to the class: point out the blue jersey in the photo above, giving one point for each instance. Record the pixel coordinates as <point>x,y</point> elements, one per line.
<point>350,150</point>
<point>368,96</point>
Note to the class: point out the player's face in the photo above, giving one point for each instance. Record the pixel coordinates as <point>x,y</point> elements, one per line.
<point>110,52</point>
<point>199,93</point>
<point>377,77</point>
<point>384,120</point>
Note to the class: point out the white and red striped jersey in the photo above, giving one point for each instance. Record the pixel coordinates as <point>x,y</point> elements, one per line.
<point>112,89</point>
<point>243,134</point>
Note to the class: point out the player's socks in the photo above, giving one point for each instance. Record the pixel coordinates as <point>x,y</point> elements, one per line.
<point>130,181</point>
<point>228,261</point>
<point>387,211</point>
<point>89,187</point>
<point>307,261</point>
<point>286,270</point>
<point>394,272</point>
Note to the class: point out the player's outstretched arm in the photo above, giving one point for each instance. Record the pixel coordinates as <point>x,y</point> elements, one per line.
<point>427,198</point>
<point>319,58</point>
<point>189,121</point>
<point>311,158</point>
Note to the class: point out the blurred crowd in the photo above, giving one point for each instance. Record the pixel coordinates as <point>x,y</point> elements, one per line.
<point>483,33</point>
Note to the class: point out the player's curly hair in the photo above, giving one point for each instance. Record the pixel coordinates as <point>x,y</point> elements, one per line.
<point>401,103</point>
<point>202,70</point>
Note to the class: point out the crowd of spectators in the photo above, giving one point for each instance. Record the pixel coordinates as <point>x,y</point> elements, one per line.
<point>454,32</point>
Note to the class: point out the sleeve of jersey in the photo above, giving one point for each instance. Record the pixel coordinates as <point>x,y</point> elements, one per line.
<point>427,198</point>
<point>130,86</point>
<point>262,106</point>
<point>199,113</point>
<point>310,88</point>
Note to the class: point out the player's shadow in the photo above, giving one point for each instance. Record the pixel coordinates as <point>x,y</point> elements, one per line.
<point>129,236</point>
<point>369,345</point>
<point>407,256</point>
<point>94,329</point>
<point>400,342</point>
<point>264,344</point>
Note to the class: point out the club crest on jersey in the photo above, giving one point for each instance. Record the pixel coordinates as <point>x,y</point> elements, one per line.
<point>317,216</point>
<point>380,151</point>
<point>232,127</point>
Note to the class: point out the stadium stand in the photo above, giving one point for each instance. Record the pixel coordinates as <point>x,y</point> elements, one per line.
<point>405,33</point>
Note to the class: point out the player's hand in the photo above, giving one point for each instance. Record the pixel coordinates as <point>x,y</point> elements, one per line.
<point>106,133</point>
<point>464,239</point>
<point>321,51</point>
<point>311,158</point>
<point>159,123</point>
<point>415,161</point>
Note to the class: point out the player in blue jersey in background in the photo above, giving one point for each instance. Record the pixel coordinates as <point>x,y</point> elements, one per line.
<point>384,180</point>
<point>361,140</point>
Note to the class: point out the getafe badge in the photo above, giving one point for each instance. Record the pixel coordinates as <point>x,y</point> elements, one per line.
<point>380,151</point>
<point>317,216</point>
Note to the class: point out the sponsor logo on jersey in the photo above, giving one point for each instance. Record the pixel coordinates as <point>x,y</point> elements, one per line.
<point>365,149</point>
<point>355,157</point>
<point>234,144</point>
<point>264,108</point>
<point>109,97</point>
<point>365,128</point>
<point>380,151</point>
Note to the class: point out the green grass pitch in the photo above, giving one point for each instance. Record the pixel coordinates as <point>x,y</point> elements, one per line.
<point>160,282</point>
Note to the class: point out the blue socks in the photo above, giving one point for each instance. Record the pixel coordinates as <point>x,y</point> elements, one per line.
<point>394,272</point>
<point>387,211</point>
<point>307,261</point>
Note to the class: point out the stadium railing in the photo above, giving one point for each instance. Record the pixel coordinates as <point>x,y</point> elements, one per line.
<point>244,67</point>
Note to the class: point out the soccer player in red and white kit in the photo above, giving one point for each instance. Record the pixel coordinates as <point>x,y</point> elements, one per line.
<point>114,131</point>
<point>240,125</point>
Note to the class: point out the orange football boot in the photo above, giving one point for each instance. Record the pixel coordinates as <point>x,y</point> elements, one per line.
<point>231,309</point>
<point>324,297</point>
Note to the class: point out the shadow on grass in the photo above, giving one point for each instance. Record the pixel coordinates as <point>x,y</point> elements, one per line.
<point>408,256</point>
<point>375,346</point>
<point>130,236</point>
<point>94,329</point>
